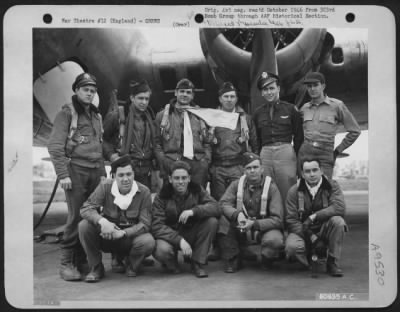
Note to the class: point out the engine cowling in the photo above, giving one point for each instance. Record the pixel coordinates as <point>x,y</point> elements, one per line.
<point>293,59</point>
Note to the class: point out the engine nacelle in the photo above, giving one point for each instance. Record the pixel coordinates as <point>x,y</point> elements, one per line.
<point>294,60</point>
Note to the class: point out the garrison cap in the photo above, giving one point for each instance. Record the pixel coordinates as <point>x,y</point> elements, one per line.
<point>226,87</point>
<point>184,84</point>
<point>84,79</point>
<point>249,157</point>
<point>314,77</point>
<point>123,161</point>
<point>266,79</point>
<point>136,87</point>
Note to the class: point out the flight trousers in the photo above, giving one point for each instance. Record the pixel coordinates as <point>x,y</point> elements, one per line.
<point>199,236</point>
<point>221,177</point>
<point>279,162</point>
<point>331,233</point>
<point>84,181</point>
<point>136,248</point>
<point>235,243</point>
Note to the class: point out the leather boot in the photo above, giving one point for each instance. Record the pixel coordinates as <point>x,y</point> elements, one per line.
<point>233,265</point>
<point>131,271</point>
<point>198,269</point>
<point>214,254</point>
<point>172,266</point>
<point>80,260</point>
<point>301,258</point>
<point>117,264</point>
<point>68,270</point>
<point>96,273</point>
<point>332,268</point>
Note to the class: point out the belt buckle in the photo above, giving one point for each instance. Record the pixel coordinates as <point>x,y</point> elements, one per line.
<point>81,139</point>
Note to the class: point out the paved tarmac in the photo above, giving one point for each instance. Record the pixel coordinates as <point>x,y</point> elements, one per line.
<point>251,286</point>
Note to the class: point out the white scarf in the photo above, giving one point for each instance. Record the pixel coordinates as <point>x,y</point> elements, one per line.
<point>216,117</point>
<point>314,189</point>
<point>187,136</point>
<point>123,201</point>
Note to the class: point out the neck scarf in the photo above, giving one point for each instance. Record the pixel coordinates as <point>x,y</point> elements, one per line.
<point>187,132</point>
<point>234,110</point>
<point>123,201</point>
<point>314,189</point>
<point>129,135</point>
<point>187,137</point>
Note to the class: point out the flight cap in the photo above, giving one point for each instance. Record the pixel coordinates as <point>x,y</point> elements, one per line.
<point>314,77</point>
<point>136,87</point>
<point>265,79</point>
<point>249,157</point>
<point>84,79</point>
<point>226,87</point>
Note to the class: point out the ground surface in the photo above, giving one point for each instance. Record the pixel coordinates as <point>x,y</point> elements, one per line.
<point>156,288</point>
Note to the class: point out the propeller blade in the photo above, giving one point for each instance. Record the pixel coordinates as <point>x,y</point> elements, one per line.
<point>263,58</point>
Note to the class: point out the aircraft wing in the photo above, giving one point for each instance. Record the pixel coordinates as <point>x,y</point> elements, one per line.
<point>207,57</point>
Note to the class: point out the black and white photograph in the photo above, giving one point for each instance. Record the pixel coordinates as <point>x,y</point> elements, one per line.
<point>219,157</point>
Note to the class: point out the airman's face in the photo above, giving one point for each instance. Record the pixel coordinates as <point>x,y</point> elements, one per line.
<point>184,96</point>
<point>179,179</point>
<point>86,94</point>
<point>141,101</point>
<point>228,101</point>
<point>254,171</point>
<point>312,173</point>
<point>124,177</point>
<point>271,92</point>
<point>315,89</point>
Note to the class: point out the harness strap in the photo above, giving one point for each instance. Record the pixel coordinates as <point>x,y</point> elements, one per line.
<point>164,120</point>
<point>244,130</point>
<point>300,196</point>
<point>203,128</point>
<point>74,121</point>
<point>101,127</point>
<point>122,123</point>
<point>239,196</point>
<point>264,197</point>
<point>324,200</point>
<point>300,200</point>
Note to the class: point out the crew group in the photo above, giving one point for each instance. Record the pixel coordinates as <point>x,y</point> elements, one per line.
<point>253,170</point>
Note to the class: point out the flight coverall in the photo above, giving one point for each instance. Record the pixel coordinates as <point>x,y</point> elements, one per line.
<point>169,144</point>
<point>269,228</point>
<point>277,126</point>
<point>135,220</point>
<point>329,225</point>
<point>227,149</point>
<point>198,231</point>
<point>81,159</point>
<point>321,123</point>
<point>138,141</point>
